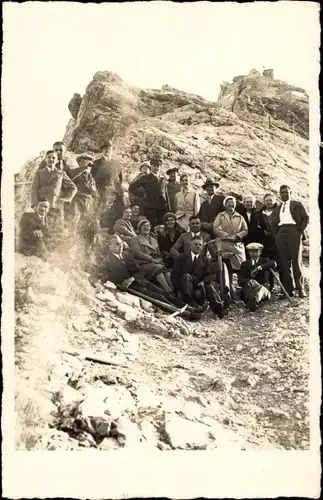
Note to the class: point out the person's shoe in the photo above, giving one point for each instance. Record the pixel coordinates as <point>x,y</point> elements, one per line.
<point>222,314</point>
<point>302,294</point>
<point>192,316</point>
<point>252,305</point>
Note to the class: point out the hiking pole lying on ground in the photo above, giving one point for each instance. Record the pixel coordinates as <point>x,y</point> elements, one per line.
<point>281,285</point>
<point>163,305</point>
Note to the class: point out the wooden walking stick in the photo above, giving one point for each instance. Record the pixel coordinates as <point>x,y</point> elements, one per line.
<point>281,285</point>
<point>218,247</point>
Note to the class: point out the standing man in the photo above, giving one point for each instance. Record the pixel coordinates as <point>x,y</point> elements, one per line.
<point>187,203</point>
<point>172,188</point>
<point>82,204</point>
<point>211,207</point>
<point>289,221</point>
<point>49,182</point>
<point>154,207</point>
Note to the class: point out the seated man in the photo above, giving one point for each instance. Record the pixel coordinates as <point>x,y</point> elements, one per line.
<point>121,269</point>
<point>182,244</point>
<point>192,278</point>
<point>33,230</point>
<point>254,277</point>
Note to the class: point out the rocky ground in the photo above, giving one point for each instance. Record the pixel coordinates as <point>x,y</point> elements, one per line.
<point>239,383</point>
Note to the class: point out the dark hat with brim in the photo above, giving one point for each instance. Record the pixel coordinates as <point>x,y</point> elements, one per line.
<point>210,182</point>
<point>171,170</point>
<point>85,156</point>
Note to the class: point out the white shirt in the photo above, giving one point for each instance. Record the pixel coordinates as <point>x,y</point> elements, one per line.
<point>194,256</point>
<point>210,198</point>
<point>195,234</point>
<point>255,262</point>
<point>119,256</point>
<point>284,215</point>
<point>248,215</point>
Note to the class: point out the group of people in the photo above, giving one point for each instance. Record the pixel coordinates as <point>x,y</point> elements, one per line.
<point>168,244</point>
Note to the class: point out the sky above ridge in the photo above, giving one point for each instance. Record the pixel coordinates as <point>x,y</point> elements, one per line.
<point>53,49</point>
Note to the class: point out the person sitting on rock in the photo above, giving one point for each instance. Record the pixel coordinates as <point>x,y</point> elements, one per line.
<point>254,277</point>
<point>120,268</point>
<point>167,236</point>
<point>124,228</point>
<point>33,231</point>
<point>145,250</point>
<point>187,203</point>
<point>211,207</point>
<point>193,280</point>
<point>172,188</point>
<point>182,245</point>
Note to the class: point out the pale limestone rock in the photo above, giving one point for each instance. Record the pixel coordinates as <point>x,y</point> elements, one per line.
<point>69,396</point>
<point>184,434</point>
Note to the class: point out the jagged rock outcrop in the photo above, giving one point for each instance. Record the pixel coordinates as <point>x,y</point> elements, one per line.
<point>254,96</point>
<point>74,105</point>
<point>245,149</point>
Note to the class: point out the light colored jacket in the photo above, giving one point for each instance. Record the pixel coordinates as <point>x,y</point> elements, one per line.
<point>235,225</point>
<point>186,205</point>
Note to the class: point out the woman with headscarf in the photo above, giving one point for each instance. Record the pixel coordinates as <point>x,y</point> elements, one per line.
<point>123,226</point>
<point>145,250</point>
<point>231,228</point>
<point>167,236</point>
<point>187,203</point>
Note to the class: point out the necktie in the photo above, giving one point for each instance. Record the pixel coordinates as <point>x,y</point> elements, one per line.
<point>284,205</point>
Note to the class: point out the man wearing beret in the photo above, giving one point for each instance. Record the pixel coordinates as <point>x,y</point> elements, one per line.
<point>254,277</point>
<point>172,187</point>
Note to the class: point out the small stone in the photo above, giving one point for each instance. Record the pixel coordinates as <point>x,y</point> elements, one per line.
<point>146,306</point>
<point>239,348</point>
<point>69,396</point>
<point>126,432</point>
<point>184,434</point>
<point>109,443</point>
<point>278,413</point>
<point>128,299</point>
<point>252,380</point>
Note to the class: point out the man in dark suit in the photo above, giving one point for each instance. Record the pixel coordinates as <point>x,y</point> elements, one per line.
<point>193,281</point>
<point>254,277</point>
<point>33,231</point>
<point>211,207</point>
<point>289,221</point>
<point>120,268</point>
<point>155,205</point>
<point>251,216</point>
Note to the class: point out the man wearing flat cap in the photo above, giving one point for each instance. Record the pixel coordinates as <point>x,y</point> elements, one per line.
<point>211,207</point>
<point>172,187</point>
<point>82,203</point>
<point>254,277</point>
<point>137,193</point>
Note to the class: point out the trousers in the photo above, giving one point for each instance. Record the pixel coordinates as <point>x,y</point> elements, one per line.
<point>289,249</point>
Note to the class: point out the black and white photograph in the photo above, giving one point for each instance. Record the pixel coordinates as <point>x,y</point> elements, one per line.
<point>161,242</point>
